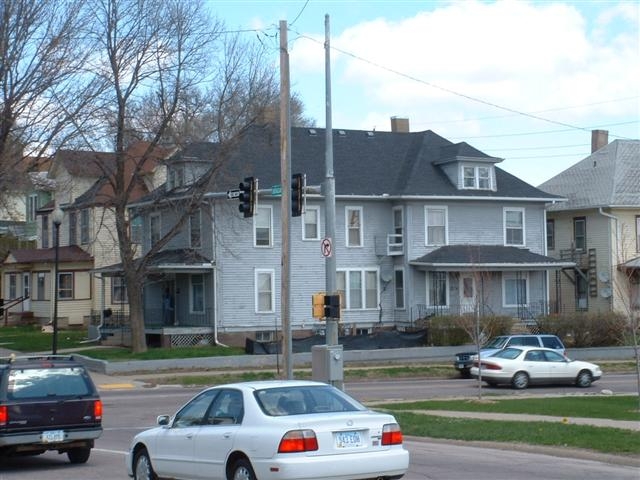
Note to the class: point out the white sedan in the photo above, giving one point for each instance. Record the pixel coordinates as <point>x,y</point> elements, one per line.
<point>268,430</point>
<point>524,366</point>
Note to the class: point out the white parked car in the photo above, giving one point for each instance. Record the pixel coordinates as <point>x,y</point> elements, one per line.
<point>289,429</point>
<point>524,366</point>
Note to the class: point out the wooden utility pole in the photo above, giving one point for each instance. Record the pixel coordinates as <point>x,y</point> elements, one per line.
<point>285,204</point>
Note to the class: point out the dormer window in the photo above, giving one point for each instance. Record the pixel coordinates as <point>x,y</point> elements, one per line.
<point>476,177</point>
<point>176,177</point>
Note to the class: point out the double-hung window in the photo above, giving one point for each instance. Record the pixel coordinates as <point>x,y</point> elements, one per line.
<point>84,226</point>
<point>551,234</point>
<point>41,286</point>
<point>262,224</point>
<point>514,226</point>
<point>353,226</point>
<point>118,290</point>
<point>264,291</point>
<point>65,285</point>
<point>515,289</point>
<point>311,223</point>
<point>476,177</point>
<point>358,288</point>
<point>436,222</point>
<point>398,280</point>
<point>73,227</point>
<point>195,229</point>
<point>580,233</point>
<point>154,228</point>
<point>45,231</point>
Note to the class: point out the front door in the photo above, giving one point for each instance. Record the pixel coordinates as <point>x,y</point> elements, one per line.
<point>26,291</point>
<point>468,295</point>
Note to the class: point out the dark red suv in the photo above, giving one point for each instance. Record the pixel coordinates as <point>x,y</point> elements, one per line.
<point>48,403</point>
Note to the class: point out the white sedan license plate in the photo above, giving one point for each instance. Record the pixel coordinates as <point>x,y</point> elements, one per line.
<point>348,439</point>
<point>53,436</point>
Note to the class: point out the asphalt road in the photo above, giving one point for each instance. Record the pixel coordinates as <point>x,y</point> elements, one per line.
<point>128,411</point>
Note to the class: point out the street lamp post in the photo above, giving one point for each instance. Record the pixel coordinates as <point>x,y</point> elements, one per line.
<point>57,220</point>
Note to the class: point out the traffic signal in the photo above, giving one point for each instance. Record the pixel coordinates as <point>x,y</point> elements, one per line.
<point>326,306</point>
<point>297,194</point>
<point>332,306</point>
<point>247,197</point>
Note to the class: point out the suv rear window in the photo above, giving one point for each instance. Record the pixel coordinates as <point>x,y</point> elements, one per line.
<point>47,382</point>
<point>552,342</point>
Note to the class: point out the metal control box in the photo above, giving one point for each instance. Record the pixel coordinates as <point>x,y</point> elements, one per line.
<point>327,363</point>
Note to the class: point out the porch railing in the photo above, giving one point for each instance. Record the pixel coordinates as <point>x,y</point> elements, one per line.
<point>153,318</point>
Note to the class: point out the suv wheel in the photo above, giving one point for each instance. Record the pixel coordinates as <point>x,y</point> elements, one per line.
<point>79,455</point>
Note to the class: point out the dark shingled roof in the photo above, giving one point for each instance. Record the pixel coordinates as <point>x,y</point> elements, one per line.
<point>71,253</point>
<point>486,255</point>
<point>365,163</point>
<point>183,257</point>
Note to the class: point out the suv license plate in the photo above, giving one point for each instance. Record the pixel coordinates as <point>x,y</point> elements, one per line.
<point>348,439</point>
<point>53,436</point>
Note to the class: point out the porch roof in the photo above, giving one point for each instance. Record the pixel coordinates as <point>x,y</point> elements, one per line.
<point>70,253</point>
<point>486,258</point>
<point>633,264</point>
<point>176,261</point>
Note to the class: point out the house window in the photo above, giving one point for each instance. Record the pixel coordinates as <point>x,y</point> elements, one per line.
<point>45,231</point>
<point>65,285</point>
<point>398,225</point>
<point>358,288</point>
<point>154,228</point>
<point>195,223</point>
<point>73,228</point>
<point>514,226</point>
<point>262,222</point>
<point>437,289</point>
<point>135,227</point>
<point>436,222</point>
<point>32,206</point>
<point>176,177</point>
<point>637,233</point>
<point>580,233</point>
<point>13,286</point>
<point>84,226</point>
<point>118,290</point>
<point>354,226</point>
<point>551,234</point>
<point>311,223</point>
<point>515,289</point>
<point>399,287</point>
<point>197,294</point>
<point>476,177</point>
<point>41,286</point>
<point>265,295</point>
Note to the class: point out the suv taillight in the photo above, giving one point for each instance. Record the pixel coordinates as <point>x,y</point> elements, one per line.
<point>4,416</point>
<point>391,434</point>
<point>97,409</point>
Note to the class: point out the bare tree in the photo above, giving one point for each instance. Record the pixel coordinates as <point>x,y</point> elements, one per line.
<point>44,88</point>
<point>172,75</point>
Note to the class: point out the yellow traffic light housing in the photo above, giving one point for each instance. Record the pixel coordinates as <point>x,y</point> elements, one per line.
<point>318,305</point>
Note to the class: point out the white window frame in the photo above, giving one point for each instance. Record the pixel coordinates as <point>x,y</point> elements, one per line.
<point>13,286</point>
<point>477,178</point>
<point>85,226</point>
<point>196,287</point>
<point>69,290</point>
<point>32,207</point>
<point>505,212</point>
<point>155,223</point>
<point>304,222</point>
<point>427,209</point>
<point>272,294</point>
<point>343,282</point>
<point>399,291</point>
<point>41,286</point>
<point>44,234</point>
<point>508,276</point>
<point>263,211</point>
<point>195,231</point>
<point>427,281</point>
<point>348,228</point>
<point>119,292</point>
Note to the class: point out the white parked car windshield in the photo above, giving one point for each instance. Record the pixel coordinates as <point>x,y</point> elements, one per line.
<point>298,400</point>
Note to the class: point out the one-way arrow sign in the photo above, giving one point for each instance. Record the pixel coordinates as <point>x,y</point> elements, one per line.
<point>233,193</point>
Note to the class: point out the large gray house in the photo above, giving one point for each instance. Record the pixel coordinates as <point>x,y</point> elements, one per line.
<point>423,226</point>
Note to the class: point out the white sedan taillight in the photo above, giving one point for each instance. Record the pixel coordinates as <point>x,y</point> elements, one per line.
<point>298,441</point>
<point>391,434</point>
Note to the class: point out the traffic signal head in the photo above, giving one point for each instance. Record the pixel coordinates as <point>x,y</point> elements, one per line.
<point>332,306</point>
<point>247,197</point>
<point>318,305</point>
<point>297,194</point>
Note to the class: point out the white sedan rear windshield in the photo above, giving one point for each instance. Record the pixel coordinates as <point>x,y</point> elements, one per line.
<point>297,400</point>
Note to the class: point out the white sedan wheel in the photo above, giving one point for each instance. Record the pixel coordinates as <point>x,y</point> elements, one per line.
<point>242,470</point>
